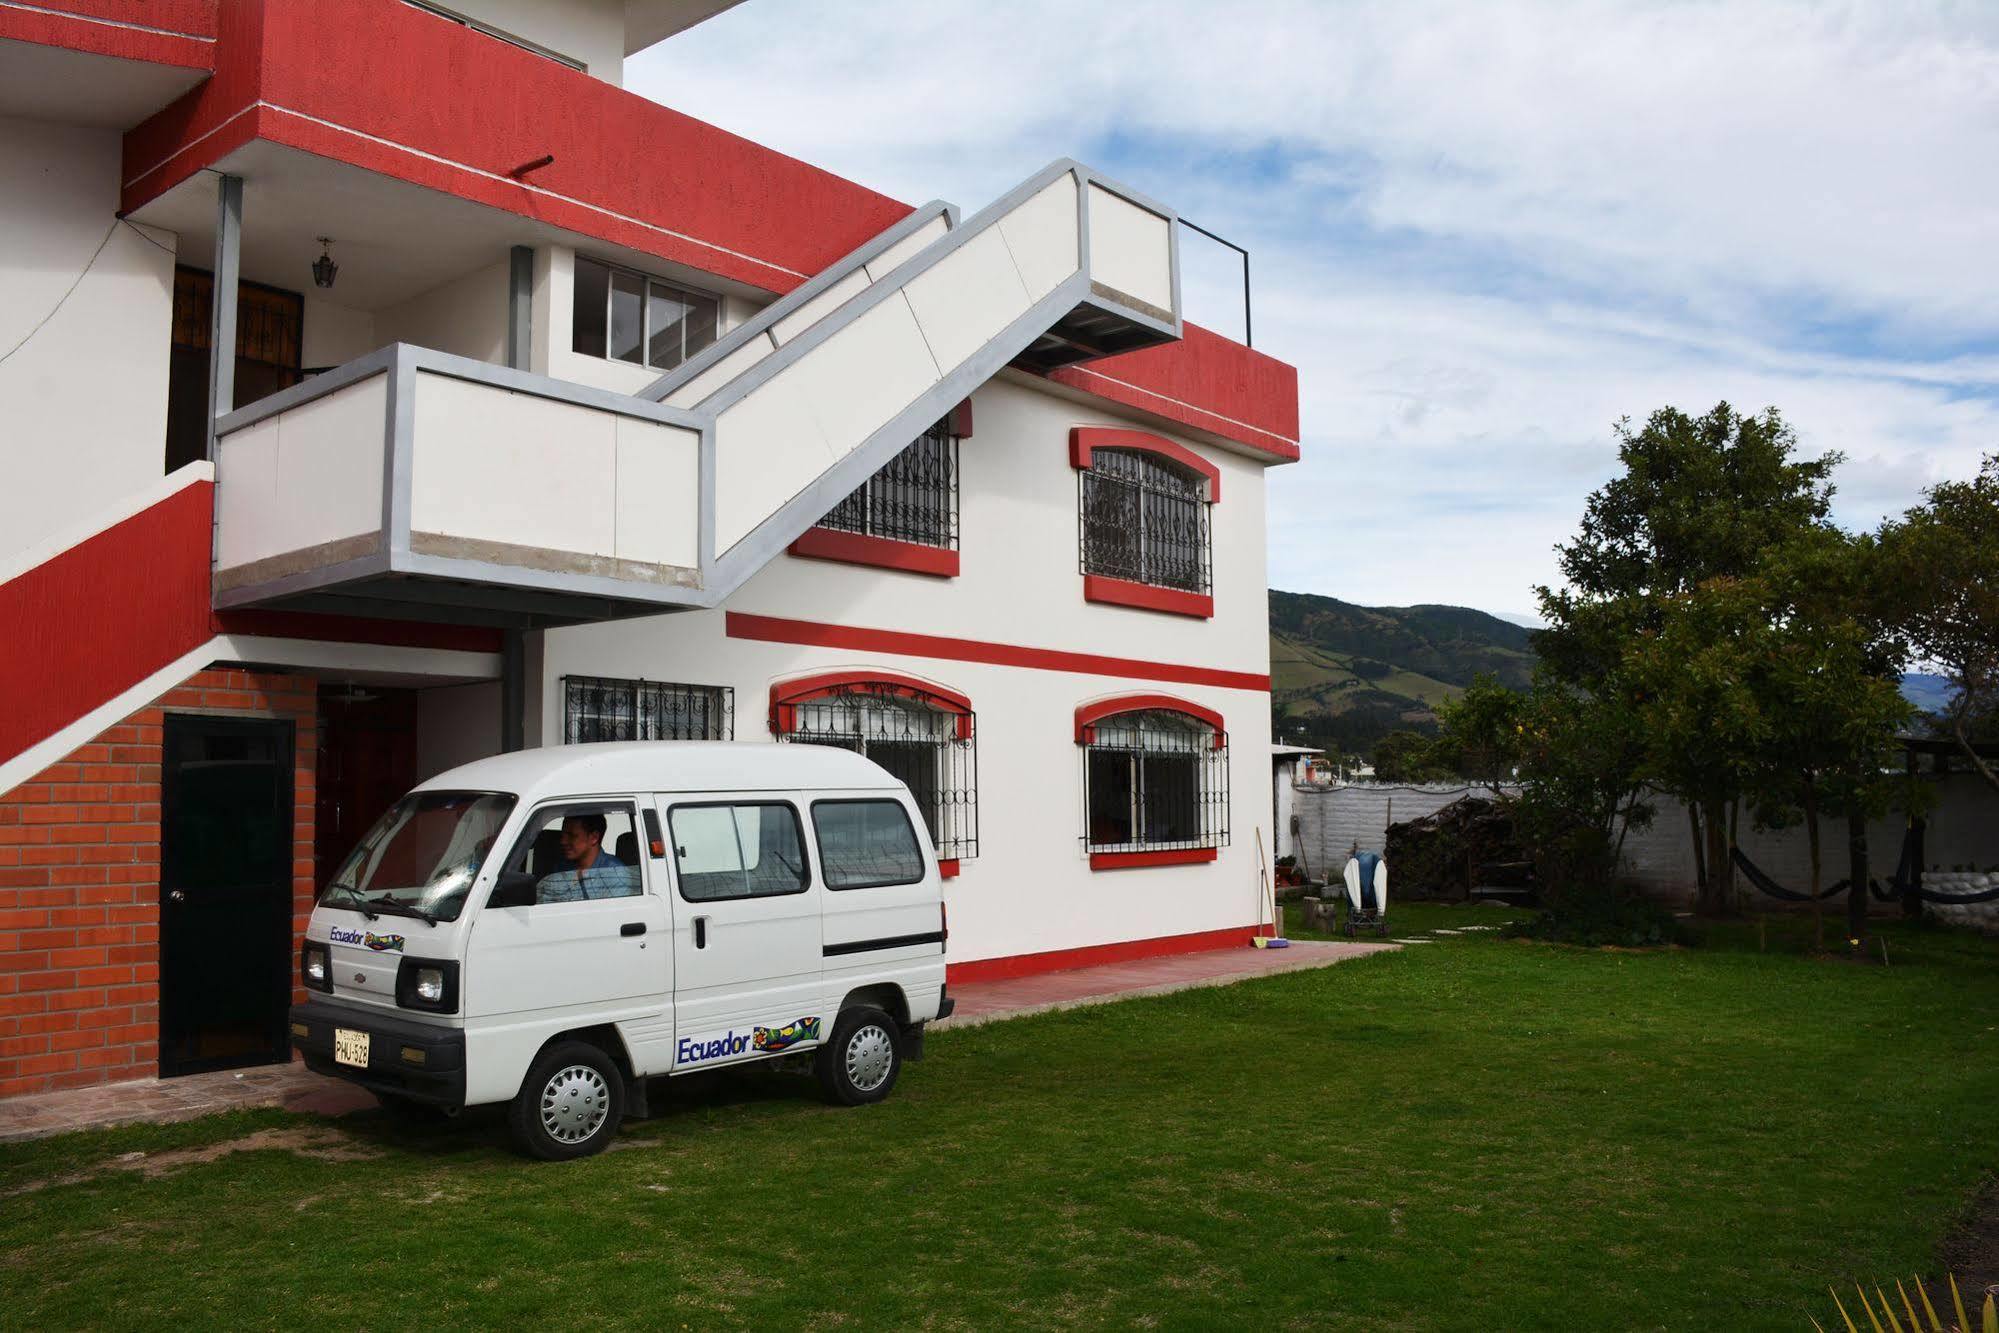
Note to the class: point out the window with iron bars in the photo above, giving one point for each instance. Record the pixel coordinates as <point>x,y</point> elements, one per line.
<point>600,709</point>
<point>1144,520</point>
<point>1155,780</point>
<point>930,750</point>
<point>913,498</point>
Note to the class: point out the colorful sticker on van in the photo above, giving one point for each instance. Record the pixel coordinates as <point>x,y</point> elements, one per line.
<point>776,1039</point>
<point>379,943</point>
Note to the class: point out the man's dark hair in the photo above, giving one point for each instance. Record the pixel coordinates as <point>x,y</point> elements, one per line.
<point>592,823</point>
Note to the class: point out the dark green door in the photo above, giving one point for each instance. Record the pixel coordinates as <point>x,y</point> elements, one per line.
<point>225,892</point>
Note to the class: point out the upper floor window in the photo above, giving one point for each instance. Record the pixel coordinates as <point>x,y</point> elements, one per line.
<point>922,735</point>
<point>627,316</point>
<point>1144,520</point>
<point>600,709</point>
<point>1155,780</point>
<point>913,498</point>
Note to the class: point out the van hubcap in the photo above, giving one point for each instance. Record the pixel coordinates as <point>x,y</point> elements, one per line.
<point>870,1052</point>
<point>574,1104</point>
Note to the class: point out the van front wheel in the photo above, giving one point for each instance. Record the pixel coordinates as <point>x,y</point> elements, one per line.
<point>570,1103</point>
<point>859,1065</point>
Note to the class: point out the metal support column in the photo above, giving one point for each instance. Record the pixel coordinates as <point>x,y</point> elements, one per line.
<point>513,642</point>
<point>222,305</point>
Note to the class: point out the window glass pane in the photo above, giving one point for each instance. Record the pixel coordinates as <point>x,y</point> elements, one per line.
<point>627,316</point>
<point>704,320</point>
<point>666,313</point>
<point>593,283</point>
<point>580,852</point>
<point>598,709</point>
<point>1110,797</point>
<point>1172,804</point>
<point>739,851</point>
<point>863,844</point>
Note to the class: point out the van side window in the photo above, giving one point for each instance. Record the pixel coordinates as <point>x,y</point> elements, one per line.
<point>748,850</point>
<point>579,852</point>
<point>866,844</point>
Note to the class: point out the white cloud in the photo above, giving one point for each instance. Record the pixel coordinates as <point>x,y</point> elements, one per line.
<point>1482,232</point>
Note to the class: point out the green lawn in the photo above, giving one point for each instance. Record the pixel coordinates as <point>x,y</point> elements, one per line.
<point>1474,1133</point>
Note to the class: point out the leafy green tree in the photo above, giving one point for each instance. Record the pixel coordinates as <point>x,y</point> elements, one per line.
<point>1482,734</point>
<point>1404,756</point>
<point>1657,569</point>
<point>1943,569</point>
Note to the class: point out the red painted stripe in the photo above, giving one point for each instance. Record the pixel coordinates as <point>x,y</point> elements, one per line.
<point>1146,597</point>
<point>854,548</point>
<point>774,629</point>
<point>1088,715</point>
<point>1062,960</point>
<point>158,41</point>
<point>1180,856</point>
<point>98,618</point>
<point>1205,381</point>
<point>1084,441</point>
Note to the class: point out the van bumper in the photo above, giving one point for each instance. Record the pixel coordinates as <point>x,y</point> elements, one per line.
<point>945,1004</point>
<point>436,1076</point>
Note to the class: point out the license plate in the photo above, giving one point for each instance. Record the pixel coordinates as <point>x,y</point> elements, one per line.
<point>350,1047</point>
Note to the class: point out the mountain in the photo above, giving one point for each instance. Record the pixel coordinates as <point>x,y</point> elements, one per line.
<point>1930,693</point>
<point>1344,676</point>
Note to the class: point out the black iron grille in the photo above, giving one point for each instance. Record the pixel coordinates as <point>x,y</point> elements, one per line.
<point>913,498</point>
<point>1155,780</point>
<point>1143,520</point>
<point>598,709</point>
<point>926,748</point>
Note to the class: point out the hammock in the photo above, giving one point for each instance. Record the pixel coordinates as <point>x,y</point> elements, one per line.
<point>1906,880</point>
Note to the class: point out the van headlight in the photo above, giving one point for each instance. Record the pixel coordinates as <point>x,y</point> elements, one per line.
<point>428,983</point>
<point>315,968</point>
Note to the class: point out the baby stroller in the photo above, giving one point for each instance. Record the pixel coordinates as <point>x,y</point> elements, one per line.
<point>1367,893</point>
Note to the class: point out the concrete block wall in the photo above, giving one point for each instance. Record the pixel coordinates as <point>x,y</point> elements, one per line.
<point>80,887</point>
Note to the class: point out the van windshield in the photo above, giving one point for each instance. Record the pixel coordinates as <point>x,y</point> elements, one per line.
<point>421,857</point>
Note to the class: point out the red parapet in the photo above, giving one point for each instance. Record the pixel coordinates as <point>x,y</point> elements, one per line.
<point>1205,381</point>
<point>158,32</point>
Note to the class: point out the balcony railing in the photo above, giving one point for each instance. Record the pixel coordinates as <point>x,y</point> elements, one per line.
<point>410,475</point>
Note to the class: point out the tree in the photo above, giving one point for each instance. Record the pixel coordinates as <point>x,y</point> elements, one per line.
<point>1658,569</point>
<point>1404,756</point>
<point>1482,734</point>
<point>1943,567</point>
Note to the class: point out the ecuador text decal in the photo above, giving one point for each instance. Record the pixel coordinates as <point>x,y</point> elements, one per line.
<point>378,943</point>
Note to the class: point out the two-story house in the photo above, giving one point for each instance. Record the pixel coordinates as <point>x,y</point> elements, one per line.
<point>383,386</point>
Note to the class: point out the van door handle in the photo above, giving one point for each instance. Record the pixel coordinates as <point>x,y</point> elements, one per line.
<point>700,932</point>
<point>632,928</point>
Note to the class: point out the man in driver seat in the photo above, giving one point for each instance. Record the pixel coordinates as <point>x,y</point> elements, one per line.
<point>592,872</point>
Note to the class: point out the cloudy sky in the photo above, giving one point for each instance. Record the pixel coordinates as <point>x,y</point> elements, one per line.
<point>1482,232</point>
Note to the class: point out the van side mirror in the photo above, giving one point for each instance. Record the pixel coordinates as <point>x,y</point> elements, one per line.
<point>514,888</point>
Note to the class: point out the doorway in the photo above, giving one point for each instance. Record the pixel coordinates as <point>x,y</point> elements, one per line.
<point>225,892</point>
<point>270,339</point>
<point>367,762</point>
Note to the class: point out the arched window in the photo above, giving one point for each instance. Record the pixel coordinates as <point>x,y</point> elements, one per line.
<point>1143,510</point>
<point>921,733</point>
<point>1155,781</point>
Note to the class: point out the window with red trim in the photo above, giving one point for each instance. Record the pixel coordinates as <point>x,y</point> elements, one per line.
<point>923,736</point>
<point>1144,519</point>
<point>1154,779</point>
<point>913,498</point>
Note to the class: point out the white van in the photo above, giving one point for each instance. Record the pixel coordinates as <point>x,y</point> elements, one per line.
<point>552,928</point>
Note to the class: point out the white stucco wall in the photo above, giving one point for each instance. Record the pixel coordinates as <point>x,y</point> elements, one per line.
<point>1031,888</point>
<point>86,395</point>
<point>466,316</point>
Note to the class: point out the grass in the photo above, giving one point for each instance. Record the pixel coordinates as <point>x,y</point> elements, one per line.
<point>1470,1134</point>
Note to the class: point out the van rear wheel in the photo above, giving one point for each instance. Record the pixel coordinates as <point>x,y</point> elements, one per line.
<point>570,1103</point>
<point>860,1064</point>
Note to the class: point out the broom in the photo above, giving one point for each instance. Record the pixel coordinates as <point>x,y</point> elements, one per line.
<point>1267,888</point>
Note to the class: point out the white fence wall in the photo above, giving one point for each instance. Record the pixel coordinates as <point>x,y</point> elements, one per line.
<point>1963,830</point>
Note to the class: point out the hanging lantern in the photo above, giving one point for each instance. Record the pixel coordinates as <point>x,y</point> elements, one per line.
<point>324,270</point>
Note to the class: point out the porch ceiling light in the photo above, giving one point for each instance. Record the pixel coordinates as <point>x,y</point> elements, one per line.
<point>324,270</point>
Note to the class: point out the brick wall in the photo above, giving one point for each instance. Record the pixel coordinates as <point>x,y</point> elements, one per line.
<point>80,889</point>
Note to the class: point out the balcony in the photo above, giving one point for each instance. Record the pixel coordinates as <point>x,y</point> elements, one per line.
<point>413,482</point>
<point>419,483</point>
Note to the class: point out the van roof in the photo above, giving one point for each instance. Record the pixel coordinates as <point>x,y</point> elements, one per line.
<point>641,766</point>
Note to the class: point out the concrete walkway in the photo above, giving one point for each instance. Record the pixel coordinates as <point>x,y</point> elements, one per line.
<point>295,1088</point>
